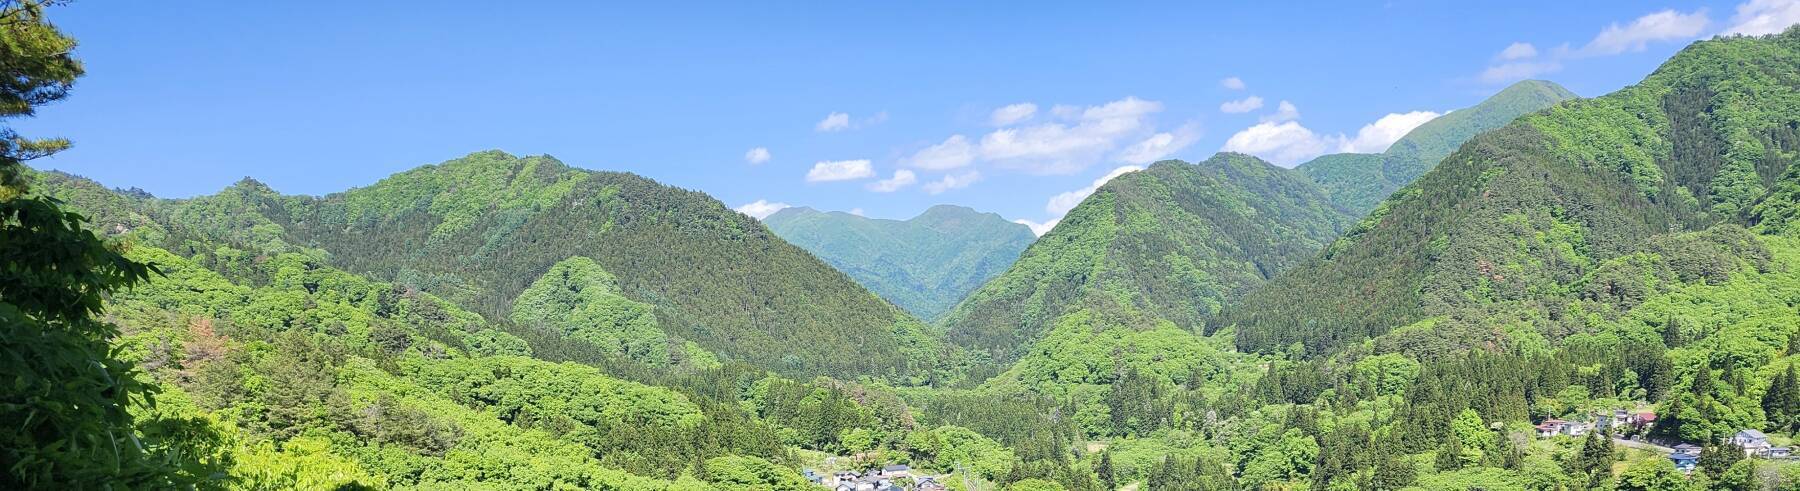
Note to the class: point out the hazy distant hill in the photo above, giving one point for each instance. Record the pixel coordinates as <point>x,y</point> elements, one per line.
<point>924,265</point>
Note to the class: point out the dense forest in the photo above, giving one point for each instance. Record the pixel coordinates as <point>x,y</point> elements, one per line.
<point>1549,307</point>
<point>925,264</point>
<point>1175,240</point>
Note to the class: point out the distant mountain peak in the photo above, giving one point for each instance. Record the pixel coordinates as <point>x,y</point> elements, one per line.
<point>924,264</point>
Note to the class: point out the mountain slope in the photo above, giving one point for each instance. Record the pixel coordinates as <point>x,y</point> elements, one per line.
<point>1514,220</point>
<point>480,229</point>
<point>924,265</point>
<point>1176,241</point>
<point>1359,181</point>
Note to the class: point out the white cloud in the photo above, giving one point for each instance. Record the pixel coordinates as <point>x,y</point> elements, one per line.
<point>1244,105</point>
<point>856,211</point>
<point>1285,144</point>
<point>1516,71</point>
<point>1059,148</point>
<point>1038,229</point>
<point>1759,17</point>
<point>952,153</point>
<point>757,155</point>
<point>1161,145</point>
<point>1060,204</point>
<point>1667,25</point>
<point>1377,136</point>
<point>1232,83</point>
<point>761,208</point>
<point>952,181</point>
<point>840,170</point>
<point>1518,51</point>
<point>841,121</point>
<point>833,122</point>
<point>1013,113</point>
<point>1283,112</point>
<point>902,178</point>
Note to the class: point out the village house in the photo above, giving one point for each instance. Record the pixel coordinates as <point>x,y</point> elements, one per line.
<point>1684,462</point>
<point>896,471</point>
<point>1609,420</point>
<point>1687,449</point>
<point>1577,428</point>
<point>1550,427</point>
<point>1754,442</point>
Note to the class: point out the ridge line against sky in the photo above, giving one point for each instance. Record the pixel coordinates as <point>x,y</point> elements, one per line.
<point>1020,111</point>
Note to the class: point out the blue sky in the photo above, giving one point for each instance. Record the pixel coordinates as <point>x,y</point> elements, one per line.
<point>184,98</point>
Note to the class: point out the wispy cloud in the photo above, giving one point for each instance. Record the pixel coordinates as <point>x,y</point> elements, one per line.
<point>1516,71</point>
<point>1667,25</point>
<point>1759,17</point>
<point>954,152</point>
<point>1286,144</point>
<point>902,178</point>
<point>952,181</point>
<point>1060,204</point>
<point>1239,106</point>
<point>1522,60</point>
<point>1376,137</point>
<point>757,155</point>
<point>833,122</point>
<point>842,121</point>
<point>1012,114</point>
<point>1518,51</point>
<point>1232,83</point>
<point>1161,145</point>
<point>1038,228</point>
<point>840,170</point>
<point>1285,111</point>
<point>1289,143</point>
<point>761,208</point>
<point>1085,137</point>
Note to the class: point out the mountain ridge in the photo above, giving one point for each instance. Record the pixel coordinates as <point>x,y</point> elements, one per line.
<point>1359,181</point>
<point>924,264</point>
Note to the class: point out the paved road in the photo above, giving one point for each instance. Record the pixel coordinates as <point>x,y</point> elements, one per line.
<point>1643,446</point>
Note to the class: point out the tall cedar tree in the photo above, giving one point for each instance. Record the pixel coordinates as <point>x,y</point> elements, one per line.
<point>64,418</point>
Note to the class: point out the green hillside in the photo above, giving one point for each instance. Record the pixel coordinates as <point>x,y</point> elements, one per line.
<point>1545,305</point>
<point>924,265</point>
<point>479,230</point>
<point>1359,181</point>
<point>1177,241</point>
<point>1516,219</point>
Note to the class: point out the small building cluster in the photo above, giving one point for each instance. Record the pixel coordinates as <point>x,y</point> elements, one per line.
<point>1754,443</point>
<point>887,478</point>
<point>1617,421</point>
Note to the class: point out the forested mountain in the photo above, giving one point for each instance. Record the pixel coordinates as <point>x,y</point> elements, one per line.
<point>1529,218</point>
<point>924,265</point>
<point>279,371</point>
<point>1176,241</point>
<point>1359,181</point>
<point>1536,312</point>
<point>481,229</point>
